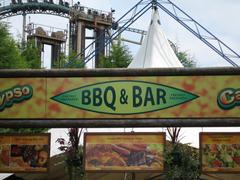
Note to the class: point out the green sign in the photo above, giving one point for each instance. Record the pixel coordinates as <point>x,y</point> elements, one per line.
<point>124,97</point>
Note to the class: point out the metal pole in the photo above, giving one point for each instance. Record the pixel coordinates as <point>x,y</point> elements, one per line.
<point>23,28</point>
<point>133,176</point>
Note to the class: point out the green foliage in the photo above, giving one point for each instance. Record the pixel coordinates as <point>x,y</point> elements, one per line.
<point>10,56</point>
<point>70,61</point>
<point>119,57</point>
<point>182,162</point>
<point>73,152</point>
<point>184,57</point>
<point>60,62</point>
<point>74,63</point>
<point>174,133</point>
<point>31,55</point>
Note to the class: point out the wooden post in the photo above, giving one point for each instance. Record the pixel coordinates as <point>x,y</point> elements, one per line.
<point>133,176</point>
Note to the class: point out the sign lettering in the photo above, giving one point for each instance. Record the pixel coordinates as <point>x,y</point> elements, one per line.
<point>15,94</point>
<point>124,97</point>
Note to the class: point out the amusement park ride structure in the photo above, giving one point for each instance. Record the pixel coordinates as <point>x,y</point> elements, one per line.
<point>55,37</point>
<point>105,28</point>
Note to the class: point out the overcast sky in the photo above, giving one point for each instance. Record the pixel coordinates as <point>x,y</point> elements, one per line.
<point>221,17</point>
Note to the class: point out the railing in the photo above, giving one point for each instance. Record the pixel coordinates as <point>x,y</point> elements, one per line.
<point>47,31</point>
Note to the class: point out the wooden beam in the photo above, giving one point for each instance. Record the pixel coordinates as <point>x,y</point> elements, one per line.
<point>117,123</point>
<point>120,72</point>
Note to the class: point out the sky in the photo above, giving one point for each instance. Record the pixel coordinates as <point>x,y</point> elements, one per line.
<point>221,17</point>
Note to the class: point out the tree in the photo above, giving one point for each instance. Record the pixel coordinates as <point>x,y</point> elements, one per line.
<point>69,62</point>
<point>9,52</point>
<point>182,162</point>
<point>183,56</point>
<point>185,59</point>
<point>119,57</point>
<point>31,55</point>
<point>174,134</point>
<point>74,62</point>
<point>74,153</point>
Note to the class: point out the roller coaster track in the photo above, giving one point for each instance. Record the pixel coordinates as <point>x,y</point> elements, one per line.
<point>34,8</point>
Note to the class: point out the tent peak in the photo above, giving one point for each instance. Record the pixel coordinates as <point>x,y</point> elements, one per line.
<point>155,52</point>
<point>154,4</point>
<point>155,8</point>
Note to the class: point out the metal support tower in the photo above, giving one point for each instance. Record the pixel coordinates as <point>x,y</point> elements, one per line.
<point>132,15</point>
<point>23,28</point>
<point>54,37</point>
<point>83,18</point>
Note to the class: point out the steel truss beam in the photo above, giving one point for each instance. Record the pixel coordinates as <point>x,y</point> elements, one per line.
<point>134,30</point>
<point>199,31</point>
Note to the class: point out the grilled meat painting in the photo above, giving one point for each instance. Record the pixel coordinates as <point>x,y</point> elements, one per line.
<point>124,155</point>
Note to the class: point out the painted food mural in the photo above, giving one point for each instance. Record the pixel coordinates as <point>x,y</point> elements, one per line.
<point>4,156</point>
<point>24,153</point>
<point>29,156</point>
<point>132,152</point>
<point>220,153</point>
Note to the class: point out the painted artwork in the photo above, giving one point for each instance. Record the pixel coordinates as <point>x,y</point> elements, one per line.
<point>220,152</point>
<point>124,152</point>
<point>24,153</point>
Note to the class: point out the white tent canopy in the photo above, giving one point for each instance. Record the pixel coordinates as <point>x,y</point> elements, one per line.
<point>155,52</point>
